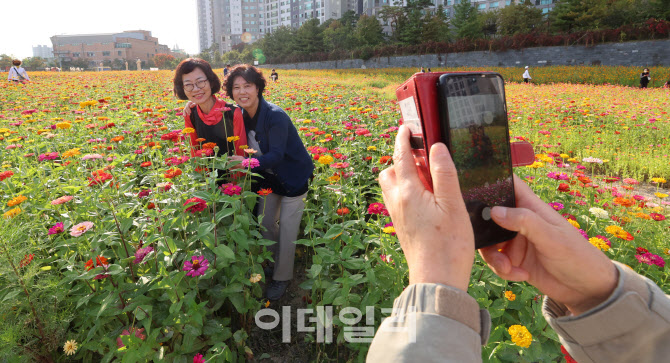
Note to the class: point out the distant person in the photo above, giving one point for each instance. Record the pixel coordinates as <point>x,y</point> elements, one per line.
<point>667,84</point>
<point>526,76</point>
<point>274,75</point>
<point>645,78</point>
<point>423,70</point>
<point>226,70</point>
<point>428,70</point>
<point>17,73</point>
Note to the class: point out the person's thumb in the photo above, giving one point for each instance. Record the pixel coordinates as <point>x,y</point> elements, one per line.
<point>522,220</point>
<point>445,177</point>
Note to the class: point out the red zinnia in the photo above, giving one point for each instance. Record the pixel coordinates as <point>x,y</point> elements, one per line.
<point>197,205</point>
<point>172,173</point>
<point>264,192</point>
<point>99,177</point>
<point>386,160</point>
<point>6,174</point>
<point>563,187</point>
<point>378,208</point>
<point>146,164</point>
<point>343,211</point>
<point>641,250</point>
<point>657,217</point>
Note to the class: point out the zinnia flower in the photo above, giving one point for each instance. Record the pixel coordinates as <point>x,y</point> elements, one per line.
<point>389,229</point>
<point>16,201</point>
<point>79,229</point>
<point>172,173</point>
<point>592,160</point>
<point>343,211</point>
<point>142,253</point>
<point>599,243</point>
<point>378,208</point>
<point>556,205</point>
<point>520,335</point>
<point>250,163</point>
<point>325,159</point>
<point>231,189</point>
<point>56,228</point>
<point>6,174</point>
<point>197,205</point>
<point>70,347</point>
<point>12,213</point>
<point>198,358</point>
<point>657,217</point>
<point>651,259</point>
<point>197,266</point>
<point>599,212</point>
<point>91,156</point>
<point>61,200</point>
<point>264,192</point>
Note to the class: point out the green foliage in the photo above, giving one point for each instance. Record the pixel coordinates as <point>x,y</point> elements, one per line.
<point>520,19</point>
<point>466,21</point>
<point>368,31</point>
<point>436,27</point>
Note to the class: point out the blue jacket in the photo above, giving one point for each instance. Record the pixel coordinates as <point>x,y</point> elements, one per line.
<point>282,148</point>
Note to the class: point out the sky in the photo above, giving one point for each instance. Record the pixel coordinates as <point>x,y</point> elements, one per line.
<point>171,21</point>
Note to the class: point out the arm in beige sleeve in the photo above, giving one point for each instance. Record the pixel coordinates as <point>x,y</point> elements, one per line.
<point>632,325</point>
<point>432,323</point>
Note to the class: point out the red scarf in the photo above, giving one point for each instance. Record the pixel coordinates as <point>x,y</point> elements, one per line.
<point>216,114</point>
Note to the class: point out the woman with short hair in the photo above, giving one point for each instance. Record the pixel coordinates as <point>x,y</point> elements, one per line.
<point>17,73</point>
<point>284,164</point>
<point>212,119</point>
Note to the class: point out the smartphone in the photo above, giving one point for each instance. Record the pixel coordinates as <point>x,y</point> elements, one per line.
<point>473,122</point>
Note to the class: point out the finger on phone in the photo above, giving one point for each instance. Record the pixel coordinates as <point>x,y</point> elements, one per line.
<point>501,264</point>
<point>444,175</point>
<point>403,160</point>
<point>387,179</point>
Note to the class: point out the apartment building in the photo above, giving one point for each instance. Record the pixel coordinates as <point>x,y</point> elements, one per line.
<point>96,48</point>
<point>43,51</point>
<point>231,22</point>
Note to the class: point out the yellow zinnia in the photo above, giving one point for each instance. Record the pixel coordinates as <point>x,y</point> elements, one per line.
<point>12,213</point>
<point>599,243</point>
<point>325,159</point>
<point>520,335</point>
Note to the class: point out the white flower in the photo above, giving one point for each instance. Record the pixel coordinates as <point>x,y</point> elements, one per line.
<point>599,212</point>
<point>592,160</point>
<point>70,347</point>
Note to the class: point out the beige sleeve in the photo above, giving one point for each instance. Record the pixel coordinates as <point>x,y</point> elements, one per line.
<point>432,323</point>
<point>632,325</point>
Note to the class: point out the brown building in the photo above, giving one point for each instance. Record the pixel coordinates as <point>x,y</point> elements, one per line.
<point>127,46</point>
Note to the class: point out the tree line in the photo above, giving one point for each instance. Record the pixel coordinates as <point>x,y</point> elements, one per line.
<point>418,27</point>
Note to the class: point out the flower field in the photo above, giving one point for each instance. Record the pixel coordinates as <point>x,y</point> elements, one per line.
<point>117,245</point>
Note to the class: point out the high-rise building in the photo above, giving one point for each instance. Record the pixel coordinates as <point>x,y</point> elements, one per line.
<point>43,51</point>
<point>231,22</point>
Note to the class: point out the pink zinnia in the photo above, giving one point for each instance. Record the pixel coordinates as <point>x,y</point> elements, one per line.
<point>557,206</point>
<point>91,156</point>
<point>250,163</point>
<point>378,208</point>
<point>231,189</point>
<point>196,205</point>
<point>197,266</point>
<point>56,228</point>
<point>651,259</point>
<point>339,165</point>
<point>142,253</point>
<point>61,200</point>
<point>79,229</point>
<point>198,358</point>
<point>144,193</point>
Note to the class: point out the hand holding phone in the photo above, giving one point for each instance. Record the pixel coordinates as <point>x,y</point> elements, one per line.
<point>433,227</point>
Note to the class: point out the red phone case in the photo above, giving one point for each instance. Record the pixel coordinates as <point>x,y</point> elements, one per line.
<point>418,100</point>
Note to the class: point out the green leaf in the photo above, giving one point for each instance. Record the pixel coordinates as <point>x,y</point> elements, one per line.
<point>224,251</point>
<point>108,300</point>
<point>12,295</point>
<point>334,231</point>
<point>314,271</point>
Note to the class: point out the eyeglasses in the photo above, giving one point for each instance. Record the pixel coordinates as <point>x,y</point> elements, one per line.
<point>201,83</point>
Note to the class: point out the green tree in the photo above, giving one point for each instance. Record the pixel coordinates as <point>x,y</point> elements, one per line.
<point>5,61</point>
<point>394,16</point>
<point>436,27</point>
<point>34,63</point>
<point>164,61</point>
<point>278,44</point>
<point>309,37</point>
<point>520,19</point>
<point>337,35</point>
<point>232,57</point>
<point>369,31</point>
<point>571,15</point>
<point>490,21</point>
<point>410,27</point>
<point>465,20</point>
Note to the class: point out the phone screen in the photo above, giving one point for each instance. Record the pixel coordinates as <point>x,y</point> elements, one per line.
<point>474,126</point>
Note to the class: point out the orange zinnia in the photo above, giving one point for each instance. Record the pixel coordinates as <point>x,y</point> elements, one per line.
<point>172,173</point>
<point>624,202</point>
<point>209,145</point>
<point>264,192</point>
